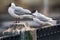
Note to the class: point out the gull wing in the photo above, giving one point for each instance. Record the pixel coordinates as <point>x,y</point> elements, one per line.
<point>22,12</point>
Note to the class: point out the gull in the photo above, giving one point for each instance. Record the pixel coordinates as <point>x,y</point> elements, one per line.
<point>42,19</point>
<point>18,12</point>
<point>41,16</point>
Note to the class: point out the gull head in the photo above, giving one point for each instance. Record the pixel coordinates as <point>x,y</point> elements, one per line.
<point>12,4</point>
<point>35,13</point>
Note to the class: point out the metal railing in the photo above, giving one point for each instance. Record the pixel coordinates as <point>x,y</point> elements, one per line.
<point>49,33</point>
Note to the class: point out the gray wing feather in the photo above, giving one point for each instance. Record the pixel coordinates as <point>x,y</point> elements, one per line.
<point>21,12</point>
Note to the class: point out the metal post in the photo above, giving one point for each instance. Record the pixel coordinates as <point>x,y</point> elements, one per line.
<point>46,7</point>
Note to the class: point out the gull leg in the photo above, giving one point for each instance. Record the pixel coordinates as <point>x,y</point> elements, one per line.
<point>17,20</point>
